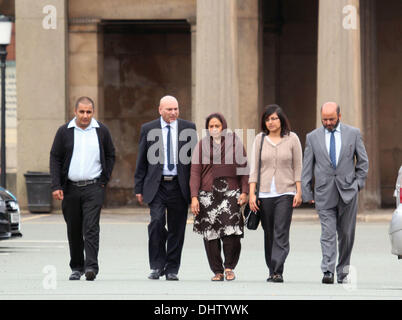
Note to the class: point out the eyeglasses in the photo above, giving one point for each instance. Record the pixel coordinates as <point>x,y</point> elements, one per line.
<point>272,119</point>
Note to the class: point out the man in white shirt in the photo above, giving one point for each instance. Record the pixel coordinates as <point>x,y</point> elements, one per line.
<point>81,162</point>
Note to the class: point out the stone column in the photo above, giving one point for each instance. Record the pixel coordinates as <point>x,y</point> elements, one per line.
<point>371,195</point>
<point>86,63</point>
<point>193,23</point>
<point>347,75</point>
<point>250,66</point>
<point>41,48</point>
<point>339,58</point>
<point>217,73</point>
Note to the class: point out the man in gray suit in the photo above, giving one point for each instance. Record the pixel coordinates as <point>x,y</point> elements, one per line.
<point>335,155</point>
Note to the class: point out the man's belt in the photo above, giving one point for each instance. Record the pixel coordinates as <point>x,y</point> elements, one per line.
<point>83,183</point>
<point>169,178</point>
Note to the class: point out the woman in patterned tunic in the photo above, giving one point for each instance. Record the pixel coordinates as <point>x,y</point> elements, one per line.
<point>219,187</point>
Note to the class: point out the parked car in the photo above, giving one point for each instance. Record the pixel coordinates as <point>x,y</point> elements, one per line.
<point>395,228</point>
<point>398,188</point>
<point>10,218</point>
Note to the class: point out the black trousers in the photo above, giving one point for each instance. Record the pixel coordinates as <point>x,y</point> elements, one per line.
<point>81,210</point>
<point>165,245</point>
<point>231,252</point>
<point>276,216</point>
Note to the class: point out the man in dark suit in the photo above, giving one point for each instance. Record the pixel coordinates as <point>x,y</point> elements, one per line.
<point>81,162</point>
<point>336,157</point>
<point>162,181</point>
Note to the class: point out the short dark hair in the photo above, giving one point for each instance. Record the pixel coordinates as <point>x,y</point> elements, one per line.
<point>274,108</point>
<point>211,116</point>
<point>86,101</point>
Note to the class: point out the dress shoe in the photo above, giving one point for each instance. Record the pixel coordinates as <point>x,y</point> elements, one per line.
<point>277,278</point>
<point>342,278</point>
<point>172,277</point>
<point>90,274</point>
<point>270,279</point>
<point>155,274</point>
<point>76,275</point>
<point>328,278</point>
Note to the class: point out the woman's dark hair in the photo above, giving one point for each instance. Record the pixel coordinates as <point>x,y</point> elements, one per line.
<point>211,116</point>
<point>274,108</point>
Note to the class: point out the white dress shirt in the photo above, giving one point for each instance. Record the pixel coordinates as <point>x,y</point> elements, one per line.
<point>85,162</point>
<point>338,141</point>
<point>173,135</point>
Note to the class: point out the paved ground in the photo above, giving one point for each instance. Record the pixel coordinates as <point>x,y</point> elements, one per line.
<point>36,265</point>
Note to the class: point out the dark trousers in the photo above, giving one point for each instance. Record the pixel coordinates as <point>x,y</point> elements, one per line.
<point>81,210</point>
<point>276,216</point>
<point>165,245</point>
<point>231,252</point>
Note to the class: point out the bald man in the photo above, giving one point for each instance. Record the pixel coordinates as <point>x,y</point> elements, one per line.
<point>335,155</point>
<point>162,181</point>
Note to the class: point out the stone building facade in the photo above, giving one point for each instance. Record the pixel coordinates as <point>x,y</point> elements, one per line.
<point>232,56</point>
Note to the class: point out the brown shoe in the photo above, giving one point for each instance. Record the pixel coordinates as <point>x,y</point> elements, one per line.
<point>229,275</point>
<point>218,277</point>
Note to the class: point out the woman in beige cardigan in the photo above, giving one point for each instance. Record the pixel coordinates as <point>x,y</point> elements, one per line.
<point>280,186</point>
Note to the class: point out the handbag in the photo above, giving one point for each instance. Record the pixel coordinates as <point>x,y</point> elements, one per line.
<point>252,218</point>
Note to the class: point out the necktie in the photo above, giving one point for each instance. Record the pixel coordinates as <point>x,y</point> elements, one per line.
<point>169,150</point>
<point>332,150</point>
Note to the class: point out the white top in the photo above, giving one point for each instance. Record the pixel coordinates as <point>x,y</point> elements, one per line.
<point>338,141</point>
<point>85,162</point>
<point>273,192</point>
<point>173,134</point>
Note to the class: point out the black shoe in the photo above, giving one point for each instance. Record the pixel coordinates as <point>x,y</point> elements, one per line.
<point>270,279</point>
<point>76,275</point>
<point>172,277</point>
<point>90,274</point>
<point>155,274</point>
<point>342,278</point>
<point>328,278</point>
<point>277,278</point>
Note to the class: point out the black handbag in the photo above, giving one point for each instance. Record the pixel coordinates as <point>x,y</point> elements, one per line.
<point>252,218</point>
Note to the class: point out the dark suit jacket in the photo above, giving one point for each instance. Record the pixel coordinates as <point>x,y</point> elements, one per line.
<point>62,151</point>
<point>150,159</point>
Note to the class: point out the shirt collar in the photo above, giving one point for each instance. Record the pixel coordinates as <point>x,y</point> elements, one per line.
<point>173,124</point>
<point>93,124</point>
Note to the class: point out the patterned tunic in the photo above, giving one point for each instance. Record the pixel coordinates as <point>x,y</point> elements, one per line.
<point>220,213</point>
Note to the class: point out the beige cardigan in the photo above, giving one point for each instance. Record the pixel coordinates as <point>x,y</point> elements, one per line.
<point>284,161</point>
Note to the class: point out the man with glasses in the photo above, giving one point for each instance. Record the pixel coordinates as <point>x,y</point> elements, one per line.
<point>335,155</point>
